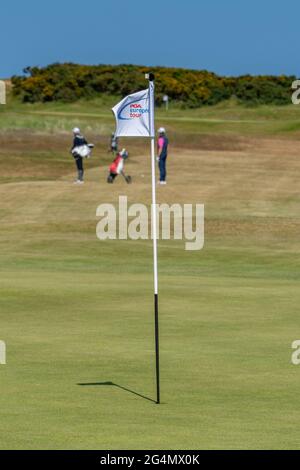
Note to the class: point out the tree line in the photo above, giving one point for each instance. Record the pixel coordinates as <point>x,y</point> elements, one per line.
<point>191,88</point>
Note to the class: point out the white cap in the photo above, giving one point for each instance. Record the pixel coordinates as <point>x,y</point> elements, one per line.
<point>76,130</point>
<point>161,130</point>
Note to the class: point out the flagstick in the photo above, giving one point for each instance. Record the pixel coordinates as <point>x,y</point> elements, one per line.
<point>129,128</point>
<point>154,235</point>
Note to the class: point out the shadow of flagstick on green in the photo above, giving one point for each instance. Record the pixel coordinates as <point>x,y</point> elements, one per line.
<point>112,384</point>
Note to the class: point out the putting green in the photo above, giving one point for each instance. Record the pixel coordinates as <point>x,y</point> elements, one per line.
<point>77,313</point>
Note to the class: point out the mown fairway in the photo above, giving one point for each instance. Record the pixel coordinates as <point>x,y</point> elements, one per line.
<point>77,313</point>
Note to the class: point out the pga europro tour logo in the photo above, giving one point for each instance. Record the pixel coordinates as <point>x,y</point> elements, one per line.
<point>134,109</point>
<point>134,222</point>
<point>2,92</point>
<point>296,94</point>
<point>2,353</point>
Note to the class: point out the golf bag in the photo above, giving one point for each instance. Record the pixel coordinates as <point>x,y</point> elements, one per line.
<point>117,168</point>
<point>83,151</point>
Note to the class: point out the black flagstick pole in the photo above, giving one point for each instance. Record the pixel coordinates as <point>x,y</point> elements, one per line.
<point>150,77</point>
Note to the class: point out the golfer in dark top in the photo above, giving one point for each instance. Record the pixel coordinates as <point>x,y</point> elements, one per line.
<point>78,141</point>
<point>113,144</point>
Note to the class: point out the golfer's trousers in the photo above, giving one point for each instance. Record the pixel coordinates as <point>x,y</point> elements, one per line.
<point>79,164</point>
<point>162,168</point>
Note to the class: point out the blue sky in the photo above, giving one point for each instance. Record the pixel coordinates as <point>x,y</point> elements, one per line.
<point>230,37</point>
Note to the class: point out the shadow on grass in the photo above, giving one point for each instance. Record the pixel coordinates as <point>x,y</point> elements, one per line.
<point>112,384</point>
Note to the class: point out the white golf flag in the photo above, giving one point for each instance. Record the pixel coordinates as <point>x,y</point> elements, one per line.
<point>135,114</point>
